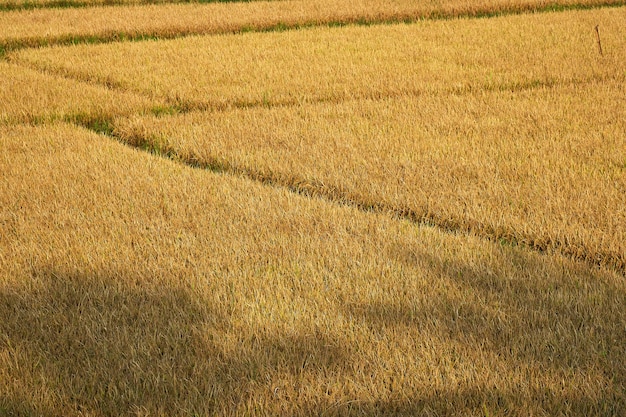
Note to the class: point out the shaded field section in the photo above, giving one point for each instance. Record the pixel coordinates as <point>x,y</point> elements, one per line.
<point>334,64</point>
<point>101,24</point>
<point>544,168</point>
<point>131,284</point>
<point>30,96</point>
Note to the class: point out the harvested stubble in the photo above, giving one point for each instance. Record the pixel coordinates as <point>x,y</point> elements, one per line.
<point>30,96</point>
<point>130,284</point>
<point>545,167</point>
<point>512,52</point>
<point>37,27</point>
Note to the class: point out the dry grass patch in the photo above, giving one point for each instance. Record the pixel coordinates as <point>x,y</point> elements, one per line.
<point>37,27</point>
<point>132,285</point>
<point>337,63</point>
<point>30,96</point>
<point>545,168</point>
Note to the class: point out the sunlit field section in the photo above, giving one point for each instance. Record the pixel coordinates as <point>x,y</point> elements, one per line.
<point>30,96</point>
<point>133,285</point>
<point>8,5</point>
<point>45,26</point>
<point>544,167</point>
<point>432,6</point>
<point>328,64</point>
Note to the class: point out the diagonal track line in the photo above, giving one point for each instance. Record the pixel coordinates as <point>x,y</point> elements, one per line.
<point>337,195</point>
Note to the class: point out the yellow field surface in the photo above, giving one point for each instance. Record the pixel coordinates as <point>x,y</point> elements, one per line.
<point>36,27</point>
<point>30,96</point>
<point>506,53</point>
<point>63,4</point>
<point>544,167</point>
<point>133,285</point>
<point>371,6</point>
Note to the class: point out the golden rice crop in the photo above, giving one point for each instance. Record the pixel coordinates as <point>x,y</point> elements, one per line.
<point>30,96</point>
<point>505,53</point>
<point>36,4</point>
<point>9,5</point>
<point>36,27</point>
<point>370,6</point>
<point>544,167</point>
<point>133,285</point>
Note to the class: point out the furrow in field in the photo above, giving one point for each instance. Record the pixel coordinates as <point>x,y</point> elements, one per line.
<point>544,168</point>
<point>104,24</point>
<point>130,284</point>
<point>27,96</point>
<point>334,64</point>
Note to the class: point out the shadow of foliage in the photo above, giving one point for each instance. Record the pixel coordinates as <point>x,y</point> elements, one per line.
<point>118,343</point>
<point>111,344</point>
<point>557,319</point>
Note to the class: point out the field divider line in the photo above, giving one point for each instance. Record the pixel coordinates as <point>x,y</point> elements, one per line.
<point>167,105</point>
<point>190,106</point>
<point>165,33</point>
<point>334,194</point>
<point>91,81</point>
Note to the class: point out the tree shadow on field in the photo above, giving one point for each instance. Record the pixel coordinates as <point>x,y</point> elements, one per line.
<point>112,344</point>
<point>119,343</point>
<point>554,319</point>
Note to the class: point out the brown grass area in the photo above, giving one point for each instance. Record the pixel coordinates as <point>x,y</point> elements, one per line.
<point>545,167</point>
<point>45,26</point>
<point>30,96</point>
<point>331,64</point>
<point>133,285</point>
